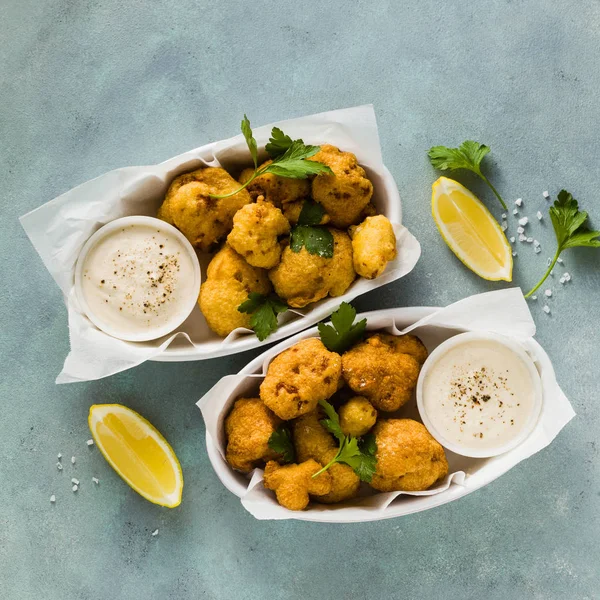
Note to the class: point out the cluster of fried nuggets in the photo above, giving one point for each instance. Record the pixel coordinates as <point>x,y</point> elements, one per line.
<point>253,227</point>
<point>375,376</point>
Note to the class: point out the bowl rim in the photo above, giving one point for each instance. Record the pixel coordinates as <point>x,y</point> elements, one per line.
<point>102,233</point>
<point>515,348</point>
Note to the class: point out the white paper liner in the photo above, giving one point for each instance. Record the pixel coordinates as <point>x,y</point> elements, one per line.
<point>59,229</point>
<point>504,311</point>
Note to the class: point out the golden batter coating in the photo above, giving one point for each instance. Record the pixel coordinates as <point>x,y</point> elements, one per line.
<point>275,189</point>
<point>302,278</point>
<point>299,377</point>
<point>256,228</point>
<point>311,440</point>
<point>408,458</point>
<point>373,246</point>
<point>292,484</point>
<point>357,416</point>
<point>384,368</point>
<point>202,219</point>
<point>229,280</point>
<point>344,194</point>
<point>248,427</point>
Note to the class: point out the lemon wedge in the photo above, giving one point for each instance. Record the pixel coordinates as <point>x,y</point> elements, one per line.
<point>137,452</point>
<point>471,231</point>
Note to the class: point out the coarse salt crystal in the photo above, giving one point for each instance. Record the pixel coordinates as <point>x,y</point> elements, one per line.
<point>155,533</point>
<point>520,229</point>
<point>75,481</point>
<point>95,480</point>
<point>546,195</point>
<point>559,260</point>
<point>75,488</point>
<point>59,466</point>
<point>529,240</point>
<point>512,239</point>
<point>522,237</point>
<point>537,249</point>
<point>515,211</point>
<point>90,442</point>
<point>549,261</point>
<point>534,297</point>
<point>59,456</point>
<point>53,498</point>
<point>523,221</point>
<point>72,460</point>
<point>504,215</point>
<point>548,293</point>
<point>536,243</point>
<point>546,309</point>
<point>567,276</point>
<point>514,253</point>
<point>519,201</point>
<point>562,280</point>
<point>539,215</point>
<point>504,226</point>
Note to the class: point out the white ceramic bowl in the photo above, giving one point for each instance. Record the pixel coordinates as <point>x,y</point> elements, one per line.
<point>469,474</point>
<point>187,305</point>
<point>517,350</point>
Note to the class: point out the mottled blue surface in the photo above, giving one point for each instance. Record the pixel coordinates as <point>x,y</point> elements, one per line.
<point>87,86</point>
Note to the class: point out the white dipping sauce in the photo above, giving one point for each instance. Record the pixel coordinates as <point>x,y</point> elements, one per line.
<point>137,281</point>
<point>479,395</point>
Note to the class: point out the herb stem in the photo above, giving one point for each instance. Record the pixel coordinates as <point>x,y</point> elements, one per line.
<point>244,186</point>
<point>492,188</point>
<point>327,465</point>
<point>548,271</point>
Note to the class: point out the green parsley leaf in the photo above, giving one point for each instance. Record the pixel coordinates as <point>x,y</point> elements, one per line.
<point>312,213</point>
<point>316,240</point>
<point>281,442</point>
<point>278,143</point>
<point>342,333</point>
<point>250,141</point>
<point>467,156</point>
<point>570,230</point>
<point>360,456</point>
<point>332,422</point>
<point>264,311</point>
<point>289,158</point>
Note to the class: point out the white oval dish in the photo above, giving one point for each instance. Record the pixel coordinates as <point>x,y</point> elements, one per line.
<point>518,351</point>
<point>187,304</point>
<point>466,474</point>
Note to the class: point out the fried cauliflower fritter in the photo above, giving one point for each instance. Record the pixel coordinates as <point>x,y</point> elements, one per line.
<point>202,219</point>
<point>248,427</point>
<point>384,368</point>
<point>373,246</point>
<point>255,232</point>
<point>409,459</point>
<point>311,440</point>
<point>299,377</point>
<point>292,211</point>
<point>357,416</point>
<point>345,194</point>
<point>229,280</point>
<point>275,189</point>
<point>302,278</point>
<point>292,484</point>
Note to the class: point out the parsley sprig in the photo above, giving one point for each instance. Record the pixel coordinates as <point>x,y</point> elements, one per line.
<point>467,156</point>
<point>289,157</point>
<point>281,442</point>
<point>264,311</point>
<point>358,454</point>
<point>570,230</point>
<point>343,332</point>
<point>316,239</point>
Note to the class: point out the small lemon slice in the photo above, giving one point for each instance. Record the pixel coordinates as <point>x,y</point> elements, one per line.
<point>137,452</point>
<point>471,231</point>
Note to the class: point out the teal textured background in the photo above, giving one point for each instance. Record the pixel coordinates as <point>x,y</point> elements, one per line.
<point>89,86</point>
